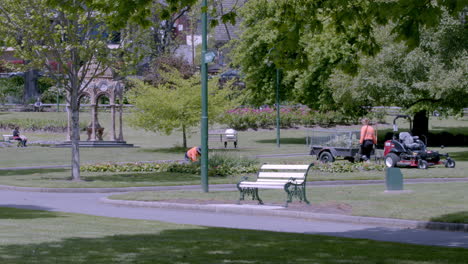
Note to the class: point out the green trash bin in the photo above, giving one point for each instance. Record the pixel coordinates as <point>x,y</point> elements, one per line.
<point>393,179</point>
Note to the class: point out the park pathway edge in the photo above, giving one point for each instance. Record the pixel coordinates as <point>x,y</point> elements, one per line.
<point>278,211</point>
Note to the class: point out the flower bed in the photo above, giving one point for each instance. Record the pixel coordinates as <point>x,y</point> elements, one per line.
<point>290,116</point>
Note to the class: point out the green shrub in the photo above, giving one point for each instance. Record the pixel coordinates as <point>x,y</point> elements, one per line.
<point>219,165</point>
<point>290,116</point>
<point>343,167</point>
<point>29,124</point>
<point>226,165</point>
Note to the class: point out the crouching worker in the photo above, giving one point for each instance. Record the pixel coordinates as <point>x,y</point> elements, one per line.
<point>18,137</point>
<point>193,154</point>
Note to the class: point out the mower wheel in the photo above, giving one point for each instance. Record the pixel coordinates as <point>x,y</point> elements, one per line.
<point>391,160</point>
<point>450,163</point>
<point>326,157</point>
<point>422,164</point>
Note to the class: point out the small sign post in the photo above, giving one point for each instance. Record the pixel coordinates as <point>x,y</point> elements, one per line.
<point>393,179</point>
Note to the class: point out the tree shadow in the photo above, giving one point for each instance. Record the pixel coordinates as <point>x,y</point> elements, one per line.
<point>30,171</point>
<point>13,211</point>
<point>459,156</point>
<point>457,217</point>
<point>176,149</point>
<point>297,141</point>
<point>220,245</point>
<point>144,177</point>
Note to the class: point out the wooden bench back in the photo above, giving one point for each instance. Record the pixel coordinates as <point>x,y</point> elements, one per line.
<point>282,173</point>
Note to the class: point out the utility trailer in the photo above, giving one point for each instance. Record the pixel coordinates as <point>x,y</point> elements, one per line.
<point>329,144</point>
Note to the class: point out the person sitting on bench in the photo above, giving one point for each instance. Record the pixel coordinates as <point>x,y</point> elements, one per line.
<point>18,137</point>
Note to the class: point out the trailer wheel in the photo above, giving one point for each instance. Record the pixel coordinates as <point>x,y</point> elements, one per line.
<point>391,160</point>
<point>422,164</point>
<point>326,157</point>
<point>450,163</point>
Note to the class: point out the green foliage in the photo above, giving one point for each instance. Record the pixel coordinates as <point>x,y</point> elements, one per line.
<point>175,104</point>
<point>219,165</point>
<point>228,165</point>
<point>245,118</point>
<point>308,40</point>
<point>30,124</point>
<point>432,76</point>
<point>13,86</point>
<point>44,83</point>
<point>343,167</point>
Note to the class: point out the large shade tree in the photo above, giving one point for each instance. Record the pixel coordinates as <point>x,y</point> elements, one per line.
<point>432,76</point>
<point>66,38</point>
<point>174,103</point>
<point>308,39</point>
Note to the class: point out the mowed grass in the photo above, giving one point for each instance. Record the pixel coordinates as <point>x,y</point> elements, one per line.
<point>60,177</point>
<point>445,202</point>
<point>156,147</point>
<point>47,237</point>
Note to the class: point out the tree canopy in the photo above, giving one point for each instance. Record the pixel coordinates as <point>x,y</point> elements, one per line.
<point>307,40</point>
<point>432,76</point>
<point>68,40</point>
<point>174,103</point>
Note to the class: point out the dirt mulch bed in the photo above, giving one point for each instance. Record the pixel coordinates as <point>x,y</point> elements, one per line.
<point>325,208</point>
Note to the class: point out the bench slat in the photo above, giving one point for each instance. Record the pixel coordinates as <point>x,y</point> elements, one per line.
<point>285,175</point>
<point>282,181</point>
<point>263,186</point>
<point>283,167</point>
<point>264,183</point>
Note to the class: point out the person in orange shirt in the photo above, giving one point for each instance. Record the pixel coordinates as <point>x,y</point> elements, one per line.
<point>367,139</point>
<point>193,154</point>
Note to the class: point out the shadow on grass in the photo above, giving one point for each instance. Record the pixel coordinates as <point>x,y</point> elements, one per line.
<point>457,217</point>
<point>297,141</point>
<point>165,150</point>
<point>219,245</point>
<point>224,150</point>
<point>25,212</point>
<point>459,156</point>
<point>144,177</point>
<point>30,171</point>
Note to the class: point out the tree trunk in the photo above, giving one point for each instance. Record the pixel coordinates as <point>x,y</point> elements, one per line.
<point>31,91</point>
<point>184,137</point>
<point>420,124</point>
<point>75,129</point>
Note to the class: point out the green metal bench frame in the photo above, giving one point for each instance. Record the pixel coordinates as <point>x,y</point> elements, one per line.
<point>291,178</point>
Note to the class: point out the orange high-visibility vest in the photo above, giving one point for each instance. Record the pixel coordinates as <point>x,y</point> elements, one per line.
<point>368,133</point>
<point>193,154</point>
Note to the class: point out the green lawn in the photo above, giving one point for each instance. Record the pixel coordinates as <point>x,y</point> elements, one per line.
<point>61,177</point>
<point>156,146</point>
<point>425,201</point>
<point>50,237</point>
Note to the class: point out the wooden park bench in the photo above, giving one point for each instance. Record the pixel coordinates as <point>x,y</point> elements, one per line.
<point>291,178</point>
<point>9,138</point>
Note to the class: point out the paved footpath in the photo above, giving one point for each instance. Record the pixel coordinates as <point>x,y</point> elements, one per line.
<point>92,204</point>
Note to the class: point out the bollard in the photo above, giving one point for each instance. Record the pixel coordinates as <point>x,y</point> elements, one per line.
<point>393,179</point>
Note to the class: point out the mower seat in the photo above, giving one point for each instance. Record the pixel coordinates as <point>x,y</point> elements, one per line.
<point>409,141</point>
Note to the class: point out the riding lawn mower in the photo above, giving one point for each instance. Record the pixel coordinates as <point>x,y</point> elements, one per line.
<point>410,151</point>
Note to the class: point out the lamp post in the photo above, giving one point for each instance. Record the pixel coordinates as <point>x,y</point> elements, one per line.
<point>204,94</point>
<point>58,96</point>
<point>277,87</point>
<point>277,108</point>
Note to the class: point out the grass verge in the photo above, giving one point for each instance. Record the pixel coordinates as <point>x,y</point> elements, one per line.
<point>48,237</point>
<point>426,202</point>
<point>60,178</point>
